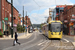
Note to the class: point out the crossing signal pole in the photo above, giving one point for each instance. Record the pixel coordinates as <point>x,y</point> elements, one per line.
<point>23,18</point>
<point>12,18</point>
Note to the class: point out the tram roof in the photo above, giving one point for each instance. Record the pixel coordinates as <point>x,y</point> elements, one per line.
<point>45,24</point>
<point>55,21</point>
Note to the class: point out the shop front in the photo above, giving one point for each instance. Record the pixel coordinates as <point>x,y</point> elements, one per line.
<point>72,28</point>
<point>3,25</point>
<point>15,28</point>
<point>65,27</point>
<point>9,27</point>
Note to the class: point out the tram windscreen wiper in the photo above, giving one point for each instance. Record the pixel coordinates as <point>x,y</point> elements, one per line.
<point>56,27</point>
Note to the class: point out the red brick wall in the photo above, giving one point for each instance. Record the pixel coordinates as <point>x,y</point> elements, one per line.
<point>67,14</point>
<point>28,20</point>
<point>15,14</point>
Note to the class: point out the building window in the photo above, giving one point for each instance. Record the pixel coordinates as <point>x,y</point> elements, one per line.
<point>3,2</point>
<point>10,15</point>
<point>3,13</point>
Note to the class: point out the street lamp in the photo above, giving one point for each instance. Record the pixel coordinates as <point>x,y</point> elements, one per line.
<point>26,18</point>
<point>23,18</point>
<point>45,19</point>
<point>53,15</point>
<point>12,18</point>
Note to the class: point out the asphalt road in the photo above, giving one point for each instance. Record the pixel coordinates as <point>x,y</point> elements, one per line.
<point>38,42</point>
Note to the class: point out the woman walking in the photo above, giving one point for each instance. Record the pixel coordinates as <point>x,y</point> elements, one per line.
<point>16,39</point>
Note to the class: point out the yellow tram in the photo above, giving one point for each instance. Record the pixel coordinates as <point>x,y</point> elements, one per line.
<point>53,29</point>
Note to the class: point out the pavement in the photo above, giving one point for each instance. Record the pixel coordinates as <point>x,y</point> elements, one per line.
<point>72,37</point>
<point>20,36</point>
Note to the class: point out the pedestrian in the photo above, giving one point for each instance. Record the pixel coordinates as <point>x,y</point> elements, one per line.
<point>16,39</point>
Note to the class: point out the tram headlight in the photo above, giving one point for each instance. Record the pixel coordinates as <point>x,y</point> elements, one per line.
<point>59,33</point>
<point>52,33</point>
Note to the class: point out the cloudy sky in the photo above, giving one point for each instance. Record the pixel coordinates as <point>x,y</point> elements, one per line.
<point>38,9</point>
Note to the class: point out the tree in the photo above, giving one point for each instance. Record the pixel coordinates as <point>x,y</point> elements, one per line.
<point>20,28</point>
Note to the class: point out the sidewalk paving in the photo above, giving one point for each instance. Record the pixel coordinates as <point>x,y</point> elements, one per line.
<point>71,37</point>
<point>20,36</point>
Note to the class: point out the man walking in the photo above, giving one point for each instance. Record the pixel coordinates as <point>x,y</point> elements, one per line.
<point>16,39</point>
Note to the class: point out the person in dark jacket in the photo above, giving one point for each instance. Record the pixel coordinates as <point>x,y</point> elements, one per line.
<point>16,39</point>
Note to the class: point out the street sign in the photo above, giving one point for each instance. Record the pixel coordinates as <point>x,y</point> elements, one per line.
<point>25,27</point>
<point>21,20</point>
<point>65,21</point>
<point>15,25</point>
<point>73,16</point>
<point>72,19</point>
<point>6,18</point>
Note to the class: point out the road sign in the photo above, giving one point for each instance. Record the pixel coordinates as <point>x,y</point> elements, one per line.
<point>21,20</point>
<point>6,18</point>
<point>25,27</point>
<point>15,25</point>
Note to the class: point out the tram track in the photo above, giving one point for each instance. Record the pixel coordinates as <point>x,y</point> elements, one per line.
<point>53,43</point>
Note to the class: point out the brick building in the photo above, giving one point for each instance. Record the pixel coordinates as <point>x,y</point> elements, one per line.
<point>59,9</point>
<point>5,15</point>
<point>27,21</point>
<point>68,17</point>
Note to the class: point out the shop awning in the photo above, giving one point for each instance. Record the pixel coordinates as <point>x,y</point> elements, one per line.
<point>72,20</point>
<point>65,21</point>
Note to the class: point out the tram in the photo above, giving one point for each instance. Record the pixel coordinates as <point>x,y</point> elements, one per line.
<point>53,29</point>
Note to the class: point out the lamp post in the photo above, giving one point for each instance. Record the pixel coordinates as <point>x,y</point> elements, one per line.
<point>53,14</point>
<point>45,19</point>
<point>26,22</point>
<point>12,18</point>
<point>23,18</point>
<point>26,18</point>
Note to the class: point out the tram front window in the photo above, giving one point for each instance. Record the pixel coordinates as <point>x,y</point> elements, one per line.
<point>55,27</point>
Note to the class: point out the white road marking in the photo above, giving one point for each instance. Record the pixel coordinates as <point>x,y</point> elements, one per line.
<point>73,43</point>
<point>65,40</point>
<point>32,45</point>
<point>21,44</point>
<point>42,43</point>
<point>45,45</point>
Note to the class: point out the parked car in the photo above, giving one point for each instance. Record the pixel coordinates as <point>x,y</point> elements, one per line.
<point>40,31</point>
<point>33,29</point>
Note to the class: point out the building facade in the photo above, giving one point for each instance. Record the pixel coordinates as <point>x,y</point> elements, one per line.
<point>59,9</point>
<point>5,15</point>
<point>27,21</point>
<point>69,19</point>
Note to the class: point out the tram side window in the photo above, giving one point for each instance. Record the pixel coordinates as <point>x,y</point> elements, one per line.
<point>49,26</point>
<point>61,27</point>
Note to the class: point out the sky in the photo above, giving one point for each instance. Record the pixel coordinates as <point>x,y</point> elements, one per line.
<point>38,10</point>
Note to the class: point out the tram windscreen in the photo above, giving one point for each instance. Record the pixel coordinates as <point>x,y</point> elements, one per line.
<point>55,27</point>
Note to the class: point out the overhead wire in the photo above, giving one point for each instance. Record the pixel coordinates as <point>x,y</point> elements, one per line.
<point>40,6</point>
<point>36,3</point>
